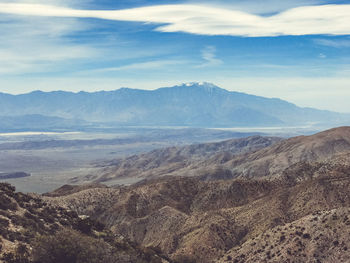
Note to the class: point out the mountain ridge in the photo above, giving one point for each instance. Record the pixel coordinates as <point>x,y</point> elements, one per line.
<point>171,160</point>
<point>191,104</point>
<point>255,156</point>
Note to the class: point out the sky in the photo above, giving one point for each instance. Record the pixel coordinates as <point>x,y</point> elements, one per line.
<point>297,50</point>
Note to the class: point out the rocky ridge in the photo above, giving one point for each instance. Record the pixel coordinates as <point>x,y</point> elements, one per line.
<point>181,161</point>
<point>26,219</point>
<point>207,219</point>
<point>255,156</point>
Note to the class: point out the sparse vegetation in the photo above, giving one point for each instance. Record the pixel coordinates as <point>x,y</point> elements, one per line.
<point>299,215</point>
<point>37,232</point>
<point>71,246</point>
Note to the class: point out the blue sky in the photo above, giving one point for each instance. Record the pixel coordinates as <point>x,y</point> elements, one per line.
<point>297,50</point>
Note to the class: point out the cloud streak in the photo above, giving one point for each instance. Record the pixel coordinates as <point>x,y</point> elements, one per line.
<point>206,20</point>
<point>29,44</point>
<point>343,43</point>
<point>148,65</point>
<point>209,56</point>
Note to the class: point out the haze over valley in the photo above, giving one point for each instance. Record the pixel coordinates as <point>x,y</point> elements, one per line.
<point>81,130</point>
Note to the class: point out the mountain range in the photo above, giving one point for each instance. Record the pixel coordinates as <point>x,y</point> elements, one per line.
<point>192,104</point>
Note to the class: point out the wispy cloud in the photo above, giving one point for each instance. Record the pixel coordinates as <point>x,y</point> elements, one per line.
<point>340,43</point>
<point>260,7</point>
<point>44,44</point>
<point>209,56</point>
<point>206,20</point>
<point>148,65</point>
<point>32,44</point>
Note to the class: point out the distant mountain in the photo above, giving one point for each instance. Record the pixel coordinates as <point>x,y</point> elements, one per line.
<point>194,105</point>
<point>13,175</point>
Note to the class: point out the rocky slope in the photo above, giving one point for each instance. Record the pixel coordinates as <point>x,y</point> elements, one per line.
<point>214,220</point>
<point>322,236</point>
<point>26,218</point>
<point>275,159</point>
<point>288,202</point>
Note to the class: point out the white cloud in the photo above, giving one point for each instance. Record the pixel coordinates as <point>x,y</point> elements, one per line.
<point>261,7</point>
<point>207,20</point>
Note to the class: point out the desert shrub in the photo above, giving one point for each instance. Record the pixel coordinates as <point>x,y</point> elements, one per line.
<point>7,188</point>
<point>185,259</point>
<point>28,234</point>
<point>53,228</point>
<point>306,235</point>
<point>149,256</point>
<point>29,215</point>
<point>282,238</point>
<point>22,199</point>
<point>14,236</point>
<point>85,225</point>
<point>4,222</point>
<point>25,222</point>
<point>99,226</point>
<point>69,246</point>
<point>4,213</point>
<point>20,255</point>
<point>6,203</point>
<point>4,231</point>
<point>48,214</point>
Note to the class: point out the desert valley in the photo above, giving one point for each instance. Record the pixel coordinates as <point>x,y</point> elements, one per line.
<point>253,198</point>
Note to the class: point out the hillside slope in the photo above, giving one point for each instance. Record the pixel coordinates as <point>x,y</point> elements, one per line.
<point>323,236</point>
<point>180,160</point>
<point>275,159</point>
<point>27,219</point>
<point>247,157</point>
<point>208,219</point>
